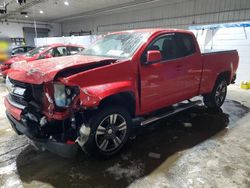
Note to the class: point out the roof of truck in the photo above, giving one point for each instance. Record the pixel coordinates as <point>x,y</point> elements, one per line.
<point>155,30</point>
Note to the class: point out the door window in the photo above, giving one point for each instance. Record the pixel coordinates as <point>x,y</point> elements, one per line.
<point>74,50</point>
<point>185,45</point>
<point>59,51</point>
<point>166,45</point>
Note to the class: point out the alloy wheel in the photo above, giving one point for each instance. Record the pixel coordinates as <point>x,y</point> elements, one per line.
<point>111,132</point>
<point>220,93</point>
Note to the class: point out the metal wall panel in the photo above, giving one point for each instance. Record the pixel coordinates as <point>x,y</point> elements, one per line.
<point>181,14</point>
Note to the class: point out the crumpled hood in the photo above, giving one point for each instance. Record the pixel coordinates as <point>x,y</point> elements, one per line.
<point>40,71</point>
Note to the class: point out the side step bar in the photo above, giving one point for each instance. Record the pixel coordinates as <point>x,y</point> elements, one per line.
<point>177,108</point>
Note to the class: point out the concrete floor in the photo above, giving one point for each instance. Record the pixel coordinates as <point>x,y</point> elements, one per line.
<point>213,152</point>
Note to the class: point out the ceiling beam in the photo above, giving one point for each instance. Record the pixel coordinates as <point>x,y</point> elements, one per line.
<point>21,7</point>
<point>104,10</point>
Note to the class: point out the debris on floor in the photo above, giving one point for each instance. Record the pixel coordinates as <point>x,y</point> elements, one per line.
<point>187,125</point>
<point>130,172</point>
<point>154,155</point>
<point>245,85</point>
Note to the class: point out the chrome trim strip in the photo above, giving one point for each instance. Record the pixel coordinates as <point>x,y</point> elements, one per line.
<point>15,104</point>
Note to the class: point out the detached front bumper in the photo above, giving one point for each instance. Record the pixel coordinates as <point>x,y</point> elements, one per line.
<point>21,127</point>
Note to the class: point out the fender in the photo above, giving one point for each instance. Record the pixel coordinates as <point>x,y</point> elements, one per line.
<point>103,81</point>
<point>91,96</point>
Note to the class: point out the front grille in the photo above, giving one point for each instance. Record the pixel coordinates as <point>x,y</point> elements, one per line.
<point>18,99</point>
<point>18,83</point>
<point>32,92</point>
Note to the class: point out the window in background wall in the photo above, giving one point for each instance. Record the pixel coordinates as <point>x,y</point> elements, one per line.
<point>17,41</point>
<point>81,33</point>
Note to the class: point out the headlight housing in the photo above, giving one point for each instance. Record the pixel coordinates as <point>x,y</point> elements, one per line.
<point>63,95</point>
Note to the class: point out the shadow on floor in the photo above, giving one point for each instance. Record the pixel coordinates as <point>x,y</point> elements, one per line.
<point>165,138</point>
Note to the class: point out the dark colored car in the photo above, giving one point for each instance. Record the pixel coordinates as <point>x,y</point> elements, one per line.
<point>20,50</point>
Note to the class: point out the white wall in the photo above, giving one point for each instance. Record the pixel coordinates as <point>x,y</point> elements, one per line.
<point>229,38</point>
<point>162,14</point>
<point>15,30</point>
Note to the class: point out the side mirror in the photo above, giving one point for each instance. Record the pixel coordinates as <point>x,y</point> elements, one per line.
<point>45,56</point>
<point>153,56</point>
<point>48,56</point>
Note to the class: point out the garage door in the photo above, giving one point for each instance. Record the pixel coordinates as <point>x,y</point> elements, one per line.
<point>228,36</point>
<point>29,34</point>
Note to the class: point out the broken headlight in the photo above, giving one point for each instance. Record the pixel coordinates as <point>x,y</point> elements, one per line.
<point>63,95</point>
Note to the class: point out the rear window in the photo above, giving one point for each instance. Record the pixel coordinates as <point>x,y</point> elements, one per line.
<point>185,44</point>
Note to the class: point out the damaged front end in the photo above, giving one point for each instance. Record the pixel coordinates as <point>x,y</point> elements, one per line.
<point>49,114</point>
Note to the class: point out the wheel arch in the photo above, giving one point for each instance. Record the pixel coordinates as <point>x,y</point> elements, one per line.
<point>125,99</point>
<point>226,75</point>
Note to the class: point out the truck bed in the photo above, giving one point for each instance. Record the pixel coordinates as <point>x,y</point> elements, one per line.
<point>216,51</point>
<point>214,62</point>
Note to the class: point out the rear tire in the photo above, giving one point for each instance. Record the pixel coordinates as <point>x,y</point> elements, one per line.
<point>218,95</point>
<point>110,129</point>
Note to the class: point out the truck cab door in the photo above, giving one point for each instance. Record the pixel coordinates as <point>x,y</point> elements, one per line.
<point>162,81</point>
<point>191,64</point>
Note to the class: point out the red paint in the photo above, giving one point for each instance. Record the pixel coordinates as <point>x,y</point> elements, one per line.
<point>4,68</point>
<point>15,112</point>
<point>70,142</point>
<point>153,86</point>
<point>153,56</point>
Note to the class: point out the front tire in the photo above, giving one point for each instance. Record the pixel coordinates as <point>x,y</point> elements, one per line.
<point>218,95</point>
<point>110,129</point>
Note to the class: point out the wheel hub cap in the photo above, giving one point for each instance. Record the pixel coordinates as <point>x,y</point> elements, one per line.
<point>110,131</point>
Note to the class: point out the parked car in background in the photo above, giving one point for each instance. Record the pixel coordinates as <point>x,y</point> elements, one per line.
<point>49,51</point>
<point>93,100</point>
<point>19,50</point>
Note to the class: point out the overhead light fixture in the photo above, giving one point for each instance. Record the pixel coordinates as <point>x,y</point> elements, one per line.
<point>41,11</point>
<point>25,14</point>
<point>21,1</point>
<point>66,3</point>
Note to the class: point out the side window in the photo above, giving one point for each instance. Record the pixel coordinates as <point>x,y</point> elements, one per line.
<point>50,52</point>
<point>59,51</point>
<point>185,44</point>
<point>166,45</point>
<point>73,50</point>
<point>62,50</point>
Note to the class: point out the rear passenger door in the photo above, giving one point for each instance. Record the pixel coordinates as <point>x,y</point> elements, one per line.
<point>190,66</point>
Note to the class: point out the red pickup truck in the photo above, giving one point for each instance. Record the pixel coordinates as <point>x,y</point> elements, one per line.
<point>94,99</point>
<point>42,52</point>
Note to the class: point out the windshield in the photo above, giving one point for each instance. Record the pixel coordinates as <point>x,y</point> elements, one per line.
<point>36,51</point>
<point>121,45</point>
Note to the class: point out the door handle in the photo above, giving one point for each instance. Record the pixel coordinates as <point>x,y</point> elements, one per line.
<point>179,66</point>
